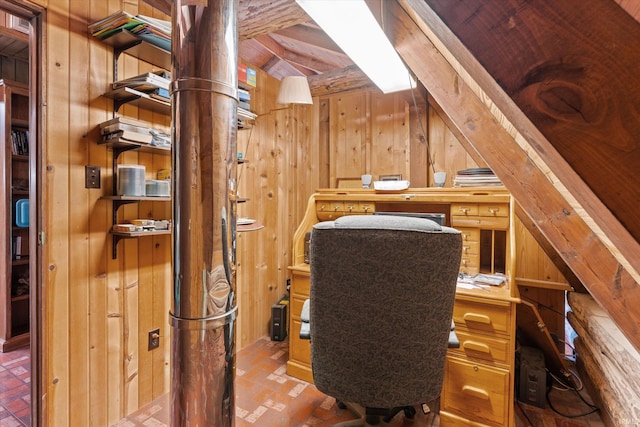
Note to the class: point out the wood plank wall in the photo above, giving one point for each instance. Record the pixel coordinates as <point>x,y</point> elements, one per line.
<point>99,310</point>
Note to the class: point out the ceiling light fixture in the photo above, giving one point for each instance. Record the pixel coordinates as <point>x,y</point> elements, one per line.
<point>352,26</point>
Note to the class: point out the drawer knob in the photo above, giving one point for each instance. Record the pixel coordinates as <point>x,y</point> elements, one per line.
<point>478,318</point>
<point>476,346</point>
<point>464,209</point>
<point>494,210</point>
<point>475,392</point>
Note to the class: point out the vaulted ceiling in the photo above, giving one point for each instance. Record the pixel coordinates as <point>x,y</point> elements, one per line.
<point>546,93</point>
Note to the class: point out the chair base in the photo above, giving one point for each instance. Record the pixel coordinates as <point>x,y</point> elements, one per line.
<point>372,416</point>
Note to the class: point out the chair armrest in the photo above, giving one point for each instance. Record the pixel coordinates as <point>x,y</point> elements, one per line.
<point>305,329</point>
<point>454,342</point>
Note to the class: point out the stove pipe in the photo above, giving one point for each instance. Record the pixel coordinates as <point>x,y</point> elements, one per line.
<point>204,119</point>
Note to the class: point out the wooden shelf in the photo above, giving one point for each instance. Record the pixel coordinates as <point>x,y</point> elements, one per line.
<point>131,234</point>
<point>249,227</point>
<point>135,199</point>
<point>20,298</point>
<point>20,123</point>
<point>125,41</point>
<point>126,95</point>
<point>123,143</point>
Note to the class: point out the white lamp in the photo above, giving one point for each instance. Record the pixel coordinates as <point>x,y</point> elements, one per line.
<point>294,90</point>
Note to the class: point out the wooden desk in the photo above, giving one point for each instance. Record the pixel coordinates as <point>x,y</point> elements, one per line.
<point>479,376</point>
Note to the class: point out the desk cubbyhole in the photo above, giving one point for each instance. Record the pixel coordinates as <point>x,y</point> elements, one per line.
<point>493,251</point>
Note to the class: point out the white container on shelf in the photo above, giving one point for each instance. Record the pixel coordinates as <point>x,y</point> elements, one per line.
<point>158,187</point>
<point>131,180</point>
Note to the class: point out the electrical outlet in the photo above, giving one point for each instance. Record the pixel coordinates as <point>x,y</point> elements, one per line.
<point>92,176</point>
<point>154,339</point>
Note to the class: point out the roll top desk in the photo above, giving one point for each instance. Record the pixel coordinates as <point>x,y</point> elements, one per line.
<point>479,376</point>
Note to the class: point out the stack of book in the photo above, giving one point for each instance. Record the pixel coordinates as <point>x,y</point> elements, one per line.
<point>125,129</point>
<point>476,177</point>
<point>154,84</point>
<point>19,142</point>
<point>152,30</point>
<point>245,116</point>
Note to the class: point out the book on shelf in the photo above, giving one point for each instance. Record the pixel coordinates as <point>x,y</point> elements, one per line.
<point>117,127</point>
<point>19,142</point>
<point>244,95</point>
<point>145,82</point>
<point>124,121</point>
<point>17,247</point>
<point>161,94</point>
<point>152,30</point>
<point>128,135</point>
<point>246,114</point>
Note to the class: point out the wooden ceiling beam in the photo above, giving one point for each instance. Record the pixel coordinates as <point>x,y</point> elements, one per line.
<point>521,157</point>
<point>306,65</point>
<point>343,80</point>
<point>255,17</point>
<point>258,17</point>
<point>312,35</point>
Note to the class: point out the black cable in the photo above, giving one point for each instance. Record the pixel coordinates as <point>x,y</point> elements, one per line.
<point>569,388</point>
<point>524,413</point>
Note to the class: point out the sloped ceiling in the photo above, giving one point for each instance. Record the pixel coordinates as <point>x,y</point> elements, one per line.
<point>565,78</point>
<point>525,139</point>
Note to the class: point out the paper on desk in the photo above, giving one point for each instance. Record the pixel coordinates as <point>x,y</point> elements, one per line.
<point>464,284</point>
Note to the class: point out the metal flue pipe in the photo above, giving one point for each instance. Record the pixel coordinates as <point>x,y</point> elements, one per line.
<point>204,119</point>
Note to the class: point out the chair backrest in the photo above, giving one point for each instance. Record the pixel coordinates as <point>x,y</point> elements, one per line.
<point>381,302</point>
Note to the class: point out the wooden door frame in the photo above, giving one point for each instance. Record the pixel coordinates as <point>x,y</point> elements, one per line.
<point>36,17</point>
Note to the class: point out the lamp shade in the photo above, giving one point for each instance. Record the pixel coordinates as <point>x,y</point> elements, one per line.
<point>294,90</point>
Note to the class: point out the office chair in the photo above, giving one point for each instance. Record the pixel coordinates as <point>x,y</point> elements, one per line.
<point>380,309</point>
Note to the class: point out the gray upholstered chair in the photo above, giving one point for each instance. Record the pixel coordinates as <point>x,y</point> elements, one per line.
<point>381,303</point>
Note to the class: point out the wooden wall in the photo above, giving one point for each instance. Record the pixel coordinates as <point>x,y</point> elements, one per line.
<point>98,310</point>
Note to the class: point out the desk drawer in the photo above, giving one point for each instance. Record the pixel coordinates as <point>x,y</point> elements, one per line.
<point>475,346</point>
<point>466,209</point>
<point>482,317</point>
<point>476,392</point>
<point>300,285</point>
<point>328,211</point>
<point>470,235</point>
<point>469,264</point>
<point>496,210</point>
<point>299,349</point>
<point>470,248</point>
<point>296,306</point>
<point>485,222</point>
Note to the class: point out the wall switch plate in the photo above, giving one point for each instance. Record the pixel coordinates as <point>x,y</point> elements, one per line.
<point>154,339</point>
<point>92,176</point>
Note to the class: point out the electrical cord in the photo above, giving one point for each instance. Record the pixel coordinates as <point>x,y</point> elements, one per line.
<point>524,413</point>
<point>576,390</point>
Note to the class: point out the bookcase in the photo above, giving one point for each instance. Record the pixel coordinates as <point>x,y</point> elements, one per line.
<point>14,246</point>
<point>123,41</point>
<point>155,52</point>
